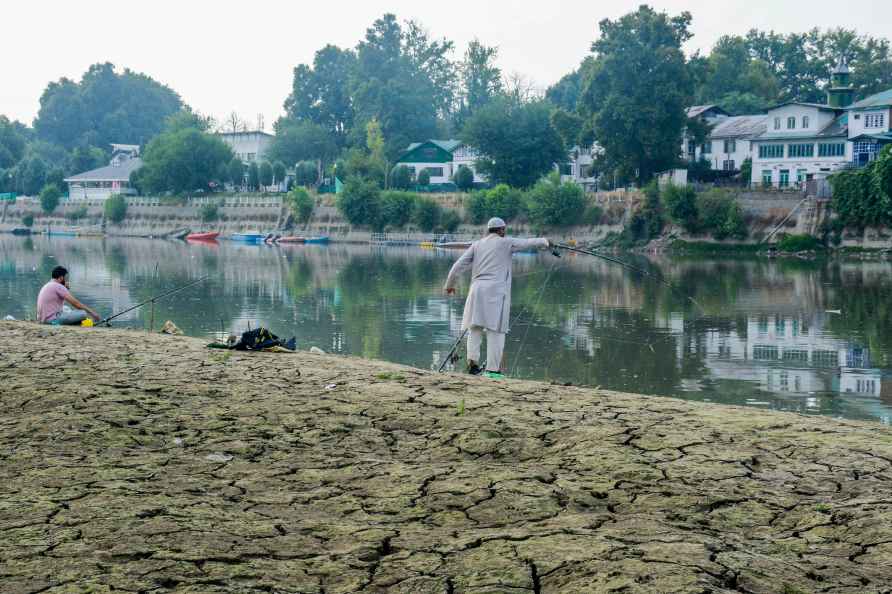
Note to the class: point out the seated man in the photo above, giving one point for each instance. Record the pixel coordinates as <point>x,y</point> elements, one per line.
<point>53,295</point>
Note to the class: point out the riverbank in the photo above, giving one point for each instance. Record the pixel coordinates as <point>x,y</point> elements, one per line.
<point>150,463</point>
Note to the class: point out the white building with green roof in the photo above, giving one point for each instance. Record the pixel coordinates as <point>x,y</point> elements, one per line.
<point>441,159</point>
<point>870,128</point>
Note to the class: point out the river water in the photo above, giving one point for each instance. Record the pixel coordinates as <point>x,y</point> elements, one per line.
<point>812,337</point>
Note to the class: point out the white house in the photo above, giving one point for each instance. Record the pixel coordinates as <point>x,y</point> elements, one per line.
<point>730,142</point>
<point>441,159</point>
<point>102,183</point>
<point>870,126</point>
<point>250,146</point>
<point>578,168</point>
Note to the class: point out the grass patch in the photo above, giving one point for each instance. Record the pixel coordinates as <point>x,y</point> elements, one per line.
<point>390,376</point>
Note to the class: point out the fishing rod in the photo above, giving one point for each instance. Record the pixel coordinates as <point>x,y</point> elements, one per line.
<point>153,299</point>
<point>452,351</point>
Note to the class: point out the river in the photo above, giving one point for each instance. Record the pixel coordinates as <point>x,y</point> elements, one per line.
<point>808,336</point>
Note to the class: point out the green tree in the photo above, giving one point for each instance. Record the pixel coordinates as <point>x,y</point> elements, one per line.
<point>49,198</point>
<point>565,93</point>
<point>266,174</point>
<point>253,177</point>
<point>279,172</point>
<point>464,178</point>
<point>302,141</point>
<point>427,214</point>
<point>554,203</point>
<point>235,171</point>
<point>12,144</point>
<point>360,202</point>
<point>882,170</point>
<point>115,208</point>
<point>746,170</point>
<point>681,205</point>
<point>481,78</point>
<point>401,178</point>
<point>639,134</point>
<point>210,212</point>
<point>86,158</point>
<point>506,203</point>
<point>302,204</point>
<point>28,220</point>
<point>306,174</point>
<point>397,209</point>
<point>183,161</point>
<point>30,176</point>
<point>517,142</point>
<point>424,178</point>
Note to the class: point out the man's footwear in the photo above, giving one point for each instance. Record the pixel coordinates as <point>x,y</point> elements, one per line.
<point>474,369</point>
<point>494,375</point>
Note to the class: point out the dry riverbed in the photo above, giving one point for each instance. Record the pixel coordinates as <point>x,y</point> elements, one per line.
<point>143,463</point>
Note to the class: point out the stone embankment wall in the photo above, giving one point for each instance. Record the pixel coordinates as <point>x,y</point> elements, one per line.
<point>146,463</point>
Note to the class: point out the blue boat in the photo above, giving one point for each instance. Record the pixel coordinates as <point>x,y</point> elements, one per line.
<point>248,237</point>
<point>323,239</point>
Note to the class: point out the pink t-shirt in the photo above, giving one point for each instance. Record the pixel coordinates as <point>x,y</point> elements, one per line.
<point>50,300</point>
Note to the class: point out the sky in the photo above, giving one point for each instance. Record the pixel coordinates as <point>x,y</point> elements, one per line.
<point>223,56</point>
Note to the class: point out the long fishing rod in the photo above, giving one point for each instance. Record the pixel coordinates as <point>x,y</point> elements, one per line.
<point>452,350</point>
<point>153,299</point>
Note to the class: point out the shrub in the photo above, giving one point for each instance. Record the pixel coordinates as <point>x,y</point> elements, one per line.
<point>397,209</point>
<point>115,208</point>
<point>424,178</point>
<point>28,220</point>
<point>302,204</point>
<point>464,178</point>
<point>401,178</point>
<point>210,212</point>
<point>427,214</point>
<point>360,202</point>
<point>450,221</point>
<point>235,171</point>
<point>266,174</point>
<point>681,205</point>
<point>798,243</point>
<point>712,212</point>
<point>555,203</point>
<point>49,198</point>
<point>305,173</point>
<point>504,202</point>
<point>592,216</point>
<point>77,214</point>
<point>735,225</point>
<point>476,208</point>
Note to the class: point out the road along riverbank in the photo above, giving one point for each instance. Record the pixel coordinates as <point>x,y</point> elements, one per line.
<point>147,463</point>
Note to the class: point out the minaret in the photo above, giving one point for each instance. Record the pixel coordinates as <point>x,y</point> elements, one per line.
<point>840,94</point>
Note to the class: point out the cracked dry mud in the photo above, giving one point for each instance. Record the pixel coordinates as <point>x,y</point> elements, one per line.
<point>143,463</point>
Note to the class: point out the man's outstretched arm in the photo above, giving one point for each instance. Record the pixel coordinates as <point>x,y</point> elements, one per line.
<point>72,300</point>
<point>462,264</point>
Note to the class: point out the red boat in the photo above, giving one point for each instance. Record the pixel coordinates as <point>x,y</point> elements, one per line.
<point>211,236</point>
<point>291,239</point>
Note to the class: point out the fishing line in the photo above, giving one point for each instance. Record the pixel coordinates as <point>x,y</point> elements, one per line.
<point>530,323</point>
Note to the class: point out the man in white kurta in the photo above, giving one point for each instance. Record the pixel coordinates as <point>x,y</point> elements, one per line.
<point>488,306</point>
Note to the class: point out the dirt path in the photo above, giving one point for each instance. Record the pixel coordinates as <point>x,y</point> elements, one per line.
<point>143,463</point>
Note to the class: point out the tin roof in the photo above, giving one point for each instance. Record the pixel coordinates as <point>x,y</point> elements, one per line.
<point>739,126</point>
<point>883,99</point>
<point>119,172</point>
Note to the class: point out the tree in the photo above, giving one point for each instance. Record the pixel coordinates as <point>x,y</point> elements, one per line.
<point>12,144</point>
<point>30,176</point>
<point>639,134</point>
<point>305,174</point>
<point>183,161</point>
<point>302,141</point>
<point>746,170</point>
<point>401,178</point>
<point>235,123</point>
<point>464,178</point>
<point>253,177</point>
<point>397,209</point>
<point>235,171</point>
<point>302,204</point>
<point>681,205</point>
<point>266,174</point>
<point>424,178</point>
<point>517,142</point>
<point>481,78</point>
<point>104,107</point>
<point>565,93</point>
<point>427,214</point>
<point>49,198</point>
<point>115,208</point>
<point>279,172</point>
<point>735,80</point>
<point>555,203</point>
<point>360,202</point>
<point>86,158</point>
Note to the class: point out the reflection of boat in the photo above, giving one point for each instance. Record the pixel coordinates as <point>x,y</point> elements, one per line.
<point>59,233</point>
<point>323,239</point>
<point>292,239</point>
<point>248,237</point>
<point>21,231</point>
<point>454,245</point>
<point>209,236</point>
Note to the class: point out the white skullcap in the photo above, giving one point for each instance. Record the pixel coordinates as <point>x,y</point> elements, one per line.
<point>496,223</point>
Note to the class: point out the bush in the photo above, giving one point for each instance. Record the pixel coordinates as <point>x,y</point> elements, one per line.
<point>77,214</point>
<point>401,178</point>
<point>427,214</point>
<point>28,220</point>
<point>305,173</point>
<point>235,171</point>
<point>450,221</point>
<point>799,243</point>
<point>504,202</point>
<point>681,205</point>
<point>397,209</point>
<point>49,198</point>
<point>555,203</point>
<point>266,174</point>
<point>424,178</point>
<point>360,202</point>
<point>210,212</point>
<point>592,216</point>
<point>701,171</point>
<point>464,178</point>
<point>302,204</point>
<point>476,208</point>
<point>115,208</point>
<point>712,212</point>
<point>735,225</point>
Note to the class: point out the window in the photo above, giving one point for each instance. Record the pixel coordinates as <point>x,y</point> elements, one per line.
<point>805,122</point>
<point>865,146</point>
<point>875,120</point>
<point>801,150</point>
<point>435,171</point>
<point>784,178</point>
<point>767,178</point>
<point>565,169</point>
<point>801,176</point>
<point>692,149</point>
<point>707,148</point>
<point>791,123</point>
<point>836,149</point>
<point>728,165</point>
<point>765,353</point>
<point>777,123</point>
<point>730,146</point>
<point>429,153</point>
<point>771,151</point>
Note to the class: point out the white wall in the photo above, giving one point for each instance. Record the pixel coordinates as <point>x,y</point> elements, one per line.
<point>818,119</point>
<point>816,166</point>
<point>856,126</point>
<point>245,144</point>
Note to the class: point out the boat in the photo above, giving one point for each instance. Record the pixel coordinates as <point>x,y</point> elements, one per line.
<point>21,231</point>
<point>453,245</point>
<point>61,233</point>
<point>248,237</point>
<point>209,236</point>
<point>292,239</point>
<point>323,239</point>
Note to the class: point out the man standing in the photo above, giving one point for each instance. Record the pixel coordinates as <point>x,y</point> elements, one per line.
<point>53,295</point>
<point>488,306</point>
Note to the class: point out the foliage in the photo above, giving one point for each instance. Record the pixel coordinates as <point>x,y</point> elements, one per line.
<point>427,214</point>
<point>882,171</point>
<point>401,177</point>
<point>799,243</point>
<point>424,178</point>
<point>476,208</point>
<point>464,178</point>
<point>638,118</point>
<point>12,143</point>
<point>49,198</point>
<point>183,161</point>
<point>302,141</point>
<point>209,212</point>
<point>104,107</point>
<point>266,174</point>
<point>30,176</point>
<point>517,142</point>
<point>253,176</point>
<point>77,214</point>
<point>701,171</point>
<point>860,196</point>
<point>235,171</point>
<point>647,222</point>
<point>115,208</point>
<point>449,221</point>
<point>681,206</point>
<point>746,170</point>
<point>28,220</point>
<point>302,204</point>
<point>360,202</point>
<point>501,201</point>
<point>565,93</point>
<point>306,174</point>
<point>397,209</point>
<point>481,79</point>
<point>734,225</point>
<point>279,172</point>
<point>358,163</point>
<point>554,203</point>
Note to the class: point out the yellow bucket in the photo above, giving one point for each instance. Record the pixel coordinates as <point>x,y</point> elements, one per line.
<point>88,323</point>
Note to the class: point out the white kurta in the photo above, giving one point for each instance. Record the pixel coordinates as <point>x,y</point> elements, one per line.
<point>489,300</point>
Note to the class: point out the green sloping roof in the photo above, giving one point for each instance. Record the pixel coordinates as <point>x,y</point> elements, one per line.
<point>446,148</point>
<point>883,99</point>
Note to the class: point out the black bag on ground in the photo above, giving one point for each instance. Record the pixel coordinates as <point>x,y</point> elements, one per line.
<point>261,338</point>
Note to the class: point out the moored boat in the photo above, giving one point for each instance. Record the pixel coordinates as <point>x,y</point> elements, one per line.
<point>248,237</point>
<point>292,239</point>
<point>323,239</point>
<point>211,235</point>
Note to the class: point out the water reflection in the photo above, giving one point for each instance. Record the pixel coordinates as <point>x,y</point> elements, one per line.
<point>761,336</point>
